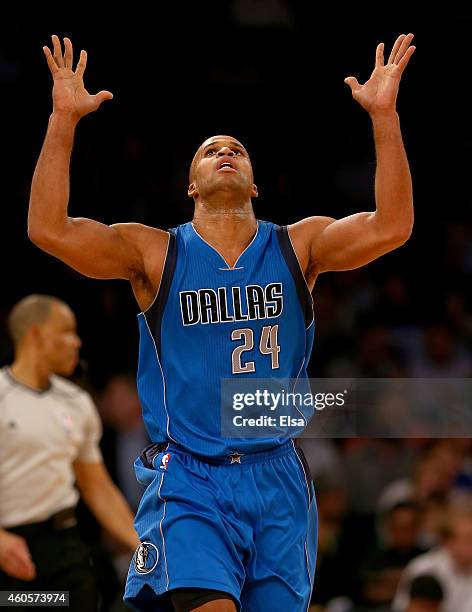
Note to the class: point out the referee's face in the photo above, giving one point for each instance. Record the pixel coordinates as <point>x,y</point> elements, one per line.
<point>59,342</point>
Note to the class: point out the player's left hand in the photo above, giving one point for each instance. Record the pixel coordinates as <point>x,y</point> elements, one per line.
<point>379,93</point>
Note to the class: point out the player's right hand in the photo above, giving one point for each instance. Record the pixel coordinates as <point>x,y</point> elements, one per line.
<point>15,558</point>
<point>69,94</point>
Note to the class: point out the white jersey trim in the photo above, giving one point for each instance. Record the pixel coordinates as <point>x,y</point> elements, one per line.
<point>163,379</point>
<point>221,256</point>
<point>161,530</point>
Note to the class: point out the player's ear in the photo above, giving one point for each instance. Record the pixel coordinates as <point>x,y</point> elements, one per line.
<point>192,190</point>
<point>254,191</point>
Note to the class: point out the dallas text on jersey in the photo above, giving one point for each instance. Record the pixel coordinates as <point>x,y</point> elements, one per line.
<point>226,305</point>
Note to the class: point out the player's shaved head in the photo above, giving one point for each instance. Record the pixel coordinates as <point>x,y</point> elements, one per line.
<point>220,139</point>
<point>31,310</point>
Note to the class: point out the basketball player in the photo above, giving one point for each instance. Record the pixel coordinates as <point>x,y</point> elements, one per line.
<point>225,525</point>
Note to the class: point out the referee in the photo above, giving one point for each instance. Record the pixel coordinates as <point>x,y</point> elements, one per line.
<point>49,435</point>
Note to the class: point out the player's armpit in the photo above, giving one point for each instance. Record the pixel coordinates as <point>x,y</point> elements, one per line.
<point>326,244</point>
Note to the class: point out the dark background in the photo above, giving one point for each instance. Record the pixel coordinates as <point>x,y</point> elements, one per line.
<point>277,84</point>
<point>270,73</point>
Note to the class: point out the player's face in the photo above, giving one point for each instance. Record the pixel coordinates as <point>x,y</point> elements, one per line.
<point>221,164</point>
<point>58,341</point>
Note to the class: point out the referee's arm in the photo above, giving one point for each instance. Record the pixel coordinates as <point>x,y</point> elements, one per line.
<point>106,501</point>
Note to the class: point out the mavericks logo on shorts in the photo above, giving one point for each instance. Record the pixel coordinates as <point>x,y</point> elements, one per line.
<point>146,558</point>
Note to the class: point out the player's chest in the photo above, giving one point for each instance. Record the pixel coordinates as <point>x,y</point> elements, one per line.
<point>209,296</point>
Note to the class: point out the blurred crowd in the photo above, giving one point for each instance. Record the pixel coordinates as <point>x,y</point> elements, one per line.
<point>390,512</point>
<point>395,515</point>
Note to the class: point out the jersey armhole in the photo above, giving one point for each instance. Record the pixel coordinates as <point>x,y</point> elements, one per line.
<point>291,259</point>
<point>154,313</point>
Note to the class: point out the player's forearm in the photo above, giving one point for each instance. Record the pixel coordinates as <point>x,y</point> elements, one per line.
<point>50,185</point>
<point>393,186</point>
<point>113,513</point>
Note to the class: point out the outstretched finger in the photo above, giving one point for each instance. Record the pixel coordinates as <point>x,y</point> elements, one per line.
<point>379,55</point>
<point>81,64</point>
<point>50,60</point>
<point>403,47</point>
<point>405,59</point>
<point>396,46</point>
<point>57,51</point>
<point>68,53</point>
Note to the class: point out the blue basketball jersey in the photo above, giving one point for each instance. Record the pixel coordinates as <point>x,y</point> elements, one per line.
<point>210,322</point>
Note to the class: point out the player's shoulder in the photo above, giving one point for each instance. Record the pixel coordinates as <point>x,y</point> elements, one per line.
<point>304,233</point>
<point>140,232</point>
<point>310,224</point>
<point>263,225</point>
<point>183,229</point>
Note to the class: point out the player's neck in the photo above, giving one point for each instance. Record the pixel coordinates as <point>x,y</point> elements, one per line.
<point>226,202</point>
<point>226,216</point>
<point>229,231</point>
<point>29,371</point>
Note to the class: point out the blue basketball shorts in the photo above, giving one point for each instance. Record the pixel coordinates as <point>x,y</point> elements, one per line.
<point>245,525</point>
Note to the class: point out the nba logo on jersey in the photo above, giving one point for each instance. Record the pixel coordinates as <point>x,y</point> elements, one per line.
<point>67,424</point>
<point>165,461</point>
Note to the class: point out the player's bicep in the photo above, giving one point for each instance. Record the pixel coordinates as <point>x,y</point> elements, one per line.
<point>95,249</point>
<point>342,244</point>
<point>351,242</point>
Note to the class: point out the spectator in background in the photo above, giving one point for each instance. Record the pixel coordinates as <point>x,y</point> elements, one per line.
<point>426,594</point>
<point>463,483</point>
<point>425,591</point>
<point>370,466</point>
<point>380,571</point>
<point>432,487</point>
<point>441,355</point>
<point>400,542</point>
<point>120,410</point>
<point>124,437</point>
<point>49,434</point>
<point>450,563</point>
<point>376,356</point>
<point>433,475</point>
<point>333,563</point>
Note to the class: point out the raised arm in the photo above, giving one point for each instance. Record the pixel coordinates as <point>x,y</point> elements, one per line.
<point>128,250</point>
<point>324,243</point>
